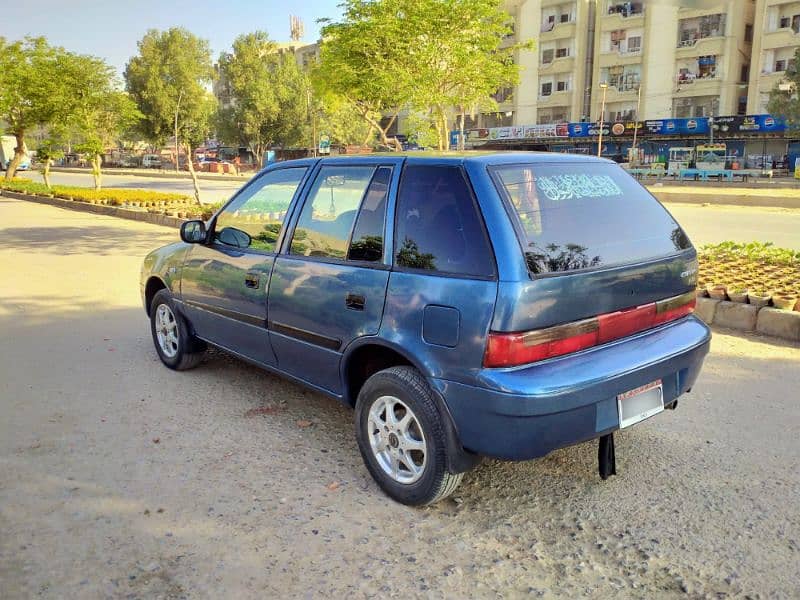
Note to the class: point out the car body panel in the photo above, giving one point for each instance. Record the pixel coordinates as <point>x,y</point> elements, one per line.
<point>570,399</point>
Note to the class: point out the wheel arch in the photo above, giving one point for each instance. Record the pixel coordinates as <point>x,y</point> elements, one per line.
<point>154,285</point>
<point>378,355</point>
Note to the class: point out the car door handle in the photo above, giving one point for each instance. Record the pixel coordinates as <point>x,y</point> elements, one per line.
<point>354,301</point>
<point>251,280</point>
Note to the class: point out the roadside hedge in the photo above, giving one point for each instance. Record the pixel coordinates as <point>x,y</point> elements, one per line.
<point>109,196</point>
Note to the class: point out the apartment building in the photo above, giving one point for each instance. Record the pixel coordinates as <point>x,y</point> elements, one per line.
<point>777,27</point>
<point>671,61</point>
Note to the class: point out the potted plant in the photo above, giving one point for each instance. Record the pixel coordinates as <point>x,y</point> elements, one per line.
<point>716,290</point>
<point>784,299</point>
<point>758,297</point>
<point>738,293</point>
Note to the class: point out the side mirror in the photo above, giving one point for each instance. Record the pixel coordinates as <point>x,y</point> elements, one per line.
<point>193,232</point>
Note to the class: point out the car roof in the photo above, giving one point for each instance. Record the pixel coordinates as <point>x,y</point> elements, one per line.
<point>452,158</point>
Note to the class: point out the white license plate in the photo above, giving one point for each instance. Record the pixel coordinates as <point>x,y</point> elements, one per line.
<point>639,404</point>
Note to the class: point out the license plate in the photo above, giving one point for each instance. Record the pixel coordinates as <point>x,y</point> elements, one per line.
<point>640,403</point>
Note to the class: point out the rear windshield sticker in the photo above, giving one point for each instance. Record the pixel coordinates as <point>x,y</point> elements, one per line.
<point>568,187</point>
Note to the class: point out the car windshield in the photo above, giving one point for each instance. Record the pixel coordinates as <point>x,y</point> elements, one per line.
<point>575,216</point>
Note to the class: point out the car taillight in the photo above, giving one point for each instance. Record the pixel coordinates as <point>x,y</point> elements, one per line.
<point>512,349</point>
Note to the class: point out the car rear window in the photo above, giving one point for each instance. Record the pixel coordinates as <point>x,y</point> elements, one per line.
<point>576,216</point>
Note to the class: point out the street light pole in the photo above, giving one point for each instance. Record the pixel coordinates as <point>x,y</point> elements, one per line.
<point>604,87</point>
<point>634,155</point>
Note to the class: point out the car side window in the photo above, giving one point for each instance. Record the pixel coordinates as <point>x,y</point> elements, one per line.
<point>367,238</point>
<point>254,219</point>
<point>437,225</point>
<point>329,212</point>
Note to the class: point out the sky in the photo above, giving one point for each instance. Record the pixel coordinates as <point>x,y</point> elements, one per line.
<point>110,29</point>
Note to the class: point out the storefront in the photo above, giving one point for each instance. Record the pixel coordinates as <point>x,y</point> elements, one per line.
<point>752,141</point>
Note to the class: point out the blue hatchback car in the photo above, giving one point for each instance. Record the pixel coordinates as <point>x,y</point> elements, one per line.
<point>499,305</point>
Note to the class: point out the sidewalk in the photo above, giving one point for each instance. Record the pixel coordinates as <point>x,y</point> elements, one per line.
<point>764,196</point>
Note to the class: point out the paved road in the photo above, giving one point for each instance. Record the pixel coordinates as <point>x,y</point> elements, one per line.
<point>704,224</point>
<point>212,191</point>
<point>122,479</point>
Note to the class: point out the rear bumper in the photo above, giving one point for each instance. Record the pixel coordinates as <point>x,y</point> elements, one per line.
<point>526,412</point>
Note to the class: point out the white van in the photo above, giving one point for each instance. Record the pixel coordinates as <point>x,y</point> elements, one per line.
<point>151,161</point>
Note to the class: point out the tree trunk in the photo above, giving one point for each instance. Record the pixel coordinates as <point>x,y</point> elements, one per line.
<point>48,162</point>
<point>444,142</point>
<point>97,161</point>
<point>19,154</point>
<point>461,131</point>
<point>195,182</point>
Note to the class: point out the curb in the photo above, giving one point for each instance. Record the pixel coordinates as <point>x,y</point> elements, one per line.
<point>100,209</point>
<point>726,200</point>
<point>784,324</point>
<point>157,174</point>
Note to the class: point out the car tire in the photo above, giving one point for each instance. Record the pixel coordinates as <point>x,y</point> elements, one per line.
<point>177,348</point>
<point>401,436</point>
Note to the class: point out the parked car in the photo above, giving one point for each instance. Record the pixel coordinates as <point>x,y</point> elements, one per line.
<point>151,161</point>
<point>492,305</point>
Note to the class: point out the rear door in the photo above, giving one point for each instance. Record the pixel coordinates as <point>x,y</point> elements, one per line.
<point>444,280</point>
<point>329,284</point>
<point>224,283</point>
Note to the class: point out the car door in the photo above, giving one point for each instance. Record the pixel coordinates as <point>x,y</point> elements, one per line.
<point>328,286</point>
<point>224,282</point>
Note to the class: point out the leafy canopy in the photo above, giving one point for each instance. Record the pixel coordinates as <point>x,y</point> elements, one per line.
<point>172,73</point>
<point>269,95</point>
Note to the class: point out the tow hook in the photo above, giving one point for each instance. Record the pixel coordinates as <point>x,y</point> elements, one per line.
<point>607,462</point>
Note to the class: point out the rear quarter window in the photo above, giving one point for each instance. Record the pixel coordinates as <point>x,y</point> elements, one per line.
<point>578,216</point>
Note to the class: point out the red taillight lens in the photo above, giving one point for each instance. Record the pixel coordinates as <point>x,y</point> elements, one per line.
<point>512,349</point>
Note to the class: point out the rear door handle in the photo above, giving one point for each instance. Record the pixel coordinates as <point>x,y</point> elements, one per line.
<point>251,280</point>
<point>354,301</point>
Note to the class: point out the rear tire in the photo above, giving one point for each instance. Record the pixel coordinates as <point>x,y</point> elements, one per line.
<point>177,348</point>
<point>401,436</point>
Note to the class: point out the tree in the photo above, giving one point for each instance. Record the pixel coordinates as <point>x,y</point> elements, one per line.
<point>168,80</point>
<point>365,59</point>
<point>431,56</point>
<point>49,150</point>
<point>101,112</point>
<point>335,119</point>
<point>33,90</point>
<point>269,95</point>
<point>457,47</point>
<point>784,99</point>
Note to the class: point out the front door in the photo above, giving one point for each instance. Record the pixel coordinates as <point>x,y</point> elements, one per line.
<point>329,287</point>
<point>224,282</point>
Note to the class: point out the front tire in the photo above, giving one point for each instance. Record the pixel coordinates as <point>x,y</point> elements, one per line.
<point>176,347</point>
<point>401,437</point>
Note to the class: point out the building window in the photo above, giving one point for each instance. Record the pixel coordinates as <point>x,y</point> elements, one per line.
<point>635,43</point>
<point>547,56</point>
<point>562,52</point>
<point>785,22</point>
<point>748,33</point>
<point>780,65</point>
<point>625,9</point>
<point>698,28</point>
<point>547,89</point>
<point>565,18</point>
<point>744,76</point>
<point>562,86</point>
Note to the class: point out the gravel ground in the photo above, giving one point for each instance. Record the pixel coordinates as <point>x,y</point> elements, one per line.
<point>121,479</point>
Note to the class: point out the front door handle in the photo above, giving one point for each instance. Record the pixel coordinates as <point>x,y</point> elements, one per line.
<point>251,280</point>
<point>354,301</point>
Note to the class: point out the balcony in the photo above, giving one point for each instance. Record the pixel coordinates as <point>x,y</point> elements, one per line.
<point>558,65</point>
<point>557,31</point>
<point>612,58</point>
<point>556,99</point>
<point>688,48</point>
<point>688,84</point>
<point>622,18</point>
<point>780,38</point>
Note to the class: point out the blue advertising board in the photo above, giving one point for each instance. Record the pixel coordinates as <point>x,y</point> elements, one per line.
<point>685,127</point>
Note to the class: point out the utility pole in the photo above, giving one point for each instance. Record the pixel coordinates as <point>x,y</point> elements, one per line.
<point>177,154</point>
<point>634,154</point>
<point>604,87</point>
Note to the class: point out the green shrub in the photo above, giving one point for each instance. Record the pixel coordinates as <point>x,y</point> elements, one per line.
<point>112,196</point>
